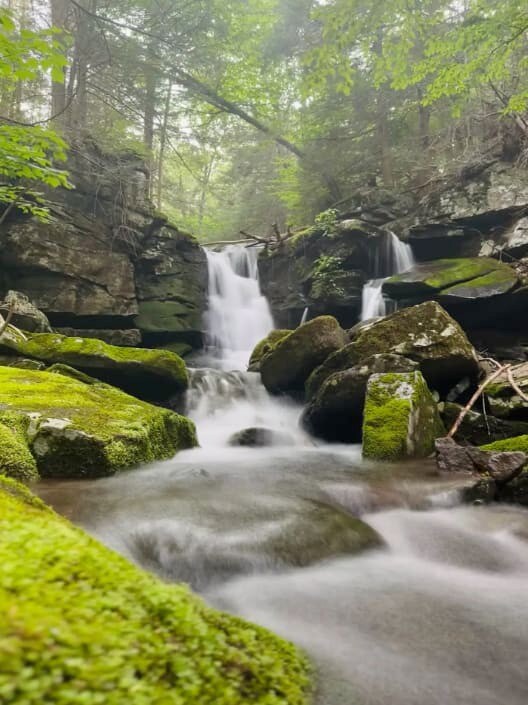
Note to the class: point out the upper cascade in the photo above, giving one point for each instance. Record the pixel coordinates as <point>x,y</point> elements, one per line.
<point>238,315</point>
<point>393,257</point>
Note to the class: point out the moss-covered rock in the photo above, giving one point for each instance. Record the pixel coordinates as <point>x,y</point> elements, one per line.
<point>89,430</point>
<point>82,626</point>
<point>502,399</point>
<point>517,443</point>
<point>150,374</point>
<point>265,346</point>
<point>465,278</point>
<point>16,460</point>
<point>335,413</point>
<point>287,366</point>
<point>479,429</point>
<point>400,418</point>
<point>424,333</point>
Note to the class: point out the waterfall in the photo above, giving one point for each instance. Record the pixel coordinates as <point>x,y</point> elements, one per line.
<point>394,257</point>
<point>238,315</point>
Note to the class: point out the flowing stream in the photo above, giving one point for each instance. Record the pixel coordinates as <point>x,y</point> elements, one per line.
<point>393,257</point>
<point>435,615</point>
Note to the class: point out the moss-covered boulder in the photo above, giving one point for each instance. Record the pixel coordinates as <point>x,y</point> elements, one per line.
<point>81,625</point>
<point>424,333</point>
<point>16,460</point>
<point>265,346</point>
<point>154,375</point>
<point>400,418</point>
<point>77,429</point>
<point>517,443</point>
<point>287,366</point>
<point>335,413</point>
<point>454,279</point>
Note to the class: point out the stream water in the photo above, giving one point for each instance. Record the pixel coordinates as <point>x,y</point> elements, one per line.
<point>437,615</point>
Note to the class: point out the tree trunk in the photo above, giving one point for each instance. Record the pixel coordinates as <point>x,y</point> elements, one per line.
<point>59,12</point>
<point>162,145</point>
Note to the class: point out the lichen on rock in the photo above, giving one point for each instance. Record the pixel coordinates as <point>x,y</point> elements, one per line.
<point>76,429</point>
<point>80,624</point>
<point>400,418</point>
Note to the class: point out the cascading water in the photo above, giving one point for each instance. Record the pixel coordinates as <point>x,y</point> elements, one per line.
<point>393,257</point>
<point>223,398</point>
<point>238,315</point>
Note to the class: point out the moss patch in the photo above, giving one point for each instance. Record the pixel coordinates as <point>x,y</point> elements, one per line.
<point>79,430</point>
<point>509,444</point>
<point>400,417</point>
<point>16,460</point>
<point>82,626</point>
<point>119,365</point>
<point>265,346</point>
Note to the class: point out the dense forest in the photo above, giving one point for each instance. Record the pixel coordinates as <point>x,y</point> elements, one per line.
<point>265,111</point>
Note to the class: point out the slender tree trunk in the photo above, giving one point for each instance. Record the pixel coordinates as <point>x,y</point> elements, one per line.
<point>383,131</point>
<point>162,145</point>
<point>59,12</point>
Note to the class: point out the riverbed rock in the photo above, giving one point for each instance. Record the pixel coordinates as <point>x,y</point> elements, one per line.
<point>25,314</point>
<point>335,413</point>
<point>424,333</point>
<point>286,367</point>
<point>452,457</point>
<point>260,437</point>
<point>154,375</point>
<point>265,346</point>
<point>401,418</point>
<point>69,603</point>
<point>88,430</point>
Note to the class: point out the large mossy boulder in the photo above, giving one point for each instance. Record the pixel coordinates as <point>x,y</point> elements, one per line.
<point>155,375</point>
<point>400,418</point>
<point>424,333</point>
<point>286,367</point>
<point>335,413</point>
<point>450,280</point>
<point>76,428</point>
<point>80,624</point>
<point>264,346</point>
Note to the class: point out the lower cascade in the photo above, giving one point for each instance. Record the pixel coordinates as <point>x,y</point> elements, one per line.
<point>393,257</point>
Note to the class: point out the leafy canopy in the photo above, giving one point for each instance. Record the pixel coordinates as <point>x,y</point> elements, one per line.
<point>28,152</point>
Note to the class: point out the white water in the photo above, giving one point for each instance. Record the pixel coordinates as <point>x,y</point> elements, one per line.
<point>394,257</point>
<point>238,316</point>
<point>223,398</point>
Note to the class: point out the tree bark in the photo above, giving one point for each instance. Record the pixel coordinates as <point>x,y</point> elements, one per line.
<point>59,13</point>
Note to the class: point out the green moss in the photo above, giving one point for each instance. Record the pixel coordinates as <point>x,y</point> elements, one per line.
<point>509,444</point>
<point>400,417</point>
<point>82,626</point>
<point>502,277</point>
<point>286,367</point>
<point>266,345</point>
<point>16,460</point>
<point>83,430</point>
<point>92,354</point>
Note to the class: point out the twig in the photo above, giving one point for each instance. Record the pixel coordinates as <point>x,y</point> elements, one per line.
<point>476,395</point>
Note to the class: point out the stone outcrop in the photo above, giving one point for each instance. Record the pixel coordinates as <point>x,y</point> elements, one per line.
<point>106,261</point>
<point>423,333</point>
<point>153,375</point>
<point>335,413</point>
<point>400,418</point>
<point>84,428</point>
<point>286,367</point>
<point>260,437</point>
<point>264,346</point>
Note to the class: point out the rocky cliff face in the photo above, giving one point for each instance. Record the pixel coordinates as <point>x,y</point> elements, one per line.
<point>107,263</point>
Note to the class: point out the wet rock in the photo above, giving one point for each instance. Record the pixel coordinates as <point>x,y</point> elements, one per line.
<point>452,457</point>
<point>265,346</point>
<point>400,418</point>
<point>287,366</point>
<point>423,333</point>
<point>453,279</point>
<point>150,374</point>
<point>499,466</point>
<point>122,338</point>
<point>335,413</point>
<point>439,240</point>
<point>25,315</point>
<point>82,430</point>
<point>259,437</point>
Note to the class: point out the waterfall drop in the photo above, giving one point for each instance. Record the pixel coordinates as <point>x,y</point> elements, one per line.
<point>238,315</point>
<point>394,257</point>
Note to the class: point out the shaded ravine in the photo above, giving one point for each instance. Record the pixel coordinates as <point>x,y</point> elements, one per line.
<point>436,615</point>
